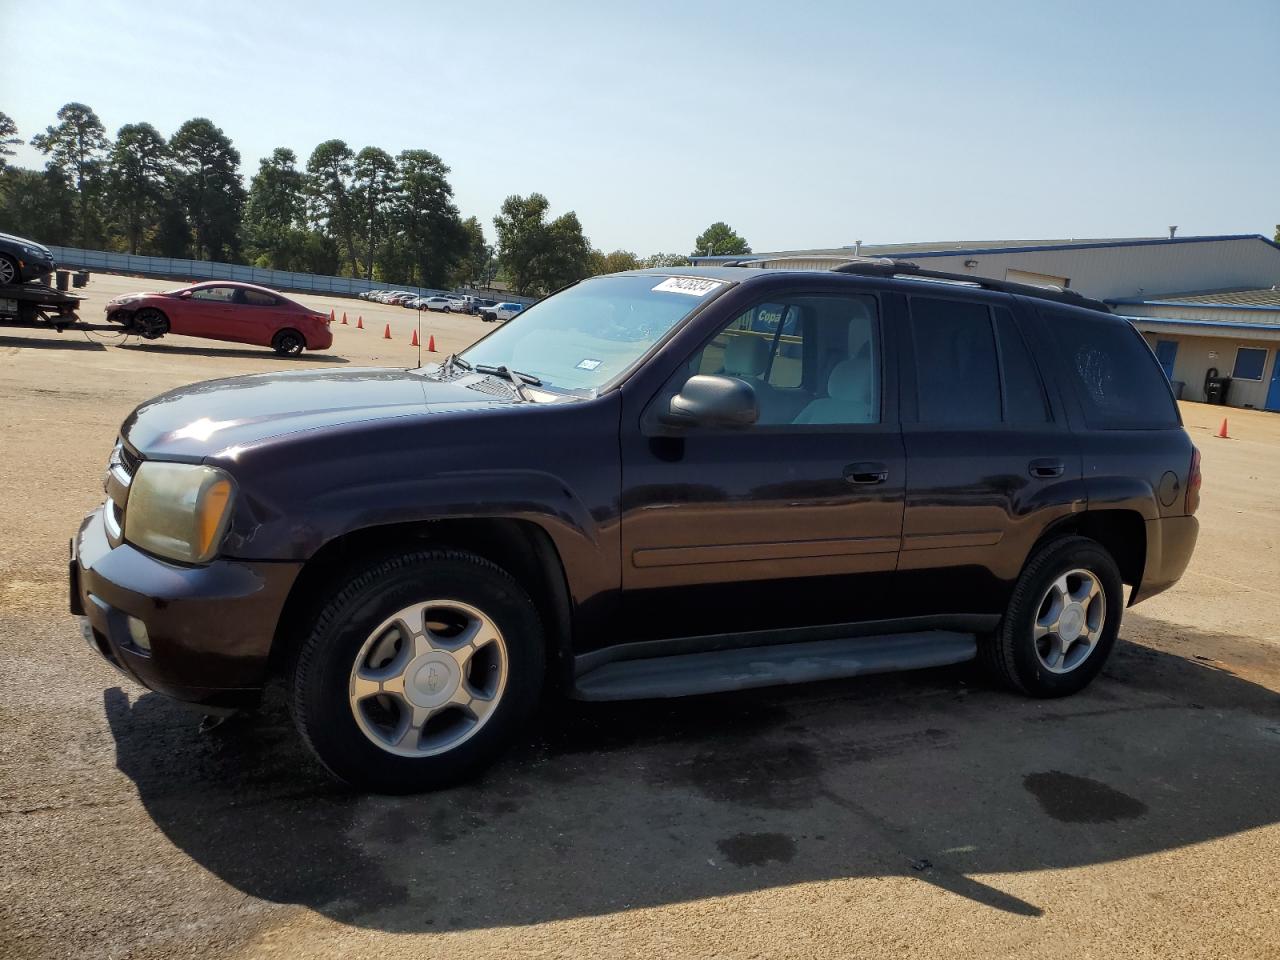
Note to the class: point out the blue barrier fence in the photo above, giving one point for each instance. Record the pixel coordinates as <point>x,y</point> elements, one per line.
<point>178,269</point>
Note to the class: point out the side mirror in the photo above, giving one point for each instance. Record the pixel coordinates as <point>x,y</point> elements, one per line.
<point>713,401</point>
<point>185,295</point>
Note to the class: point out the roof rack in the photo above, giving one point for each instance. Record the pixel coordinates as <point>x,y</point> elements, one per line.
<point>910,270</point>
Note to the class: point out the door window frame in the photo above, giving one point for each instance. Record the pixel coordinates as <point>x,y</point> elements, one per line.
<point>651,426</point>
<point>910,374</point>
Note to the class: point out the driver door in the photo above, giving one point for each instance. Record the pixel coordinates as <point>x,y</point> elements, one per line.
<point>795,521</point>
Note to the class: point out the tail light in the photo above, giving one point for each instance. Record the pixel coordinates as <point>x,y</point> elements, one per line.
<point>1193,482</point>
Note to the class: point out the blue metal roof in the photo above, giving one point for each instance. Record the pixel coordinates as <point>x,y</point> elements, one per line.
<point>873,249</point>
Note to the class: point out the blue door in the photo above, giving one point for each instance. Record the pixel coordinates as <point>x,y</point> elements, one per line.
<point>1273,395</point>
<point>1166,353</point>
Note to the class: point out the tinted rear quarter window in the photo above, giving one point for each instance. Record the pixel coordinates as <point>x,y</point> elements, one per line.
<point>1112,370</point>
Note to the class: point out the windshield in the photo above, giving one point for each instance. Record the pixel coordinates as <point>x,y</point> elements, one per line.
<point>585,336</point>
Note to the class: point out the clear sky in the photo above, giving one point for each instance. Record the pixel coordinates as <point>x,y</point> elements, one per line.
<point>801,124</point>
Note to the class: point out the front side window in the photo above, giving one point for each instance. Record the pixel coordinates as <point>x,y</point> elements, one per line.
<point>811,360</point>
<point>585,336</point>
<point>214,294</point>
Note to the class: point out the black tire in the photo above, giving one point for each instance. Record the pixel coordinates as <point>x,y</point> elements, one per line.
<point>288,343</point>
<point>8,271</point>
<point>150,324</point>
<point>448,310</point>
<point>321,674</point>
<point>1010,654</point>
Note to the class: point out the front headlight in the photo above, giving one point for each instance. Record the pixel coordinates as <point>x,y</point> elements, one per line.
<point>178,510</point>
<point>34,252</point>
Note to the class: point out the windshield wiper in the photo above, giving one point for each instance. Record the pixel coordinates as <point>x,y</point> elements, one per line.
<point>452,359</point>
<point>516,378</point>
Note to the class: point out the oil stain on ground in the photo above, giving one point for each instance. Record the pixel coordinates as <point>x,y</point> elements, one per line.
<point>757,849</point>
<point>1071,799</point>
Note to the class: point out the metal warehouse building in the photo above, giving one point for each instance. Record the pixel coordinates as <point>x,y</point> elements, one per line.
<point>1209,306</point>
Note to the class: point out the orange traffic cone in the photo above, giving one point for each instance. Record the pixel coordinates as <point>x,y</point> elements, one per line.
<point>1222,430</point>
<point>386,334</point>
<point>344,319</point>
<point>431,344</point>
<point>331,314</point>
<point>344,316</point>
<point>414,341</point>
<point>360,323</point>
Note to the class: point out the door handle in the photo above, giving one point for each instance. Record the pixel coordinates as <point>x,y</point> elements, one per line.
<point>1046,468</point>
<point>866,472</point>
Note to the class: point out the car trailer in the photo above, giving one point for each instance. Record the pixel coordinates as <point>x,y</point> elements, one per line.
<point>40,305</point>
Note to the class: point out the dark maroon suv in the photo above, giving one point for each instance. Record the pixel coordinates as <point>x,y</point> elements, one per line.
<point>651,484</point>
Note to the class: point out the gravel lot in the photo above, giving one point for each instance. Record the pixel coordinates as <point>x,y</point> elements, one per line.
<point>924,814</point>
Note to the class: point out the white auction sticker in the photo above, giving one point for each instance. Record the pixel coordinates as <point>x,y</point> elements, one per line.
<point>692,286</point>
<point>589,364</point>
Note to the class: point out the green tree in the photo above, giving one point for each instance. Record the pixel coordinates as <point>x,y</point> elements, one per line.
<point>39,204</point>
<point>275,214</point>
<point>537,255</point>
<point>614,262</point>
<point>206,178</point>
<point>77,147</point>
<point>522,239</point>
<point>137,179</point>
<point>477,264</point>
<point>431,238</point>
<point>373,191</point>
<point>719,240</point>
<point>8,138</point>
<point>665,260</point>
<point>329,182</point>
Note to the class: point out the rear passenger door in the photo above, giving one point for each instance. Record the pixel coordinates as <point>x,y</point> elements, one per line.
<point>990,458</point>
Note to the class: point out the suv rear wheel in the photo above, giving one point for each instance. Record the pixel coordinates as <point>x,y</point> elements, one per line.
<point>1062,620</point>
<point>419,672</point>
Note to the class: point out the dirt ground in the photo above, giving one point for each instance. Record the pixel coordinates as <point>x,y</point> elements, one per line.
<point>924,815</point>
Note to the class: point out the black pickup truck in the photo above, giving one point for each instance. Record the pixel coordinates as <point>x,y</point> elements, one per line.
<point>657,483</point>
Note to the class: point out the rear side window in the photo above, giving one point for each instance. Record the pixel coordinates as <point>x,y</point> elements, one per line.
<point>1118,380</point>
<point>956,375</point>
<point>259,299</point>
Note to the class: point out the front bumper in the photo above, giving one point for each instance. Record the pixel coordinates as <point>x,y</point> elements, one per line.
<point>29,270</point>
<point>209,628</point>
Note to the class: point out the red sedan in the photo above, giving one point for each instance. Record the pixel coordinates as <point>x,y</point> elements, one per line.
<point>223,310</point>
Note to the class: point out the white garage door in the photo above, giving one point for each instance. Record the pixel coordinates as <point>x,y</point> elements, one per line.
<point>1036,279</point>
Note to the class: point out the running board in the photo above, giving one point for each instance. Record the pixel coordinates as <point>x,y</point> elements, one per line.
<point>765,666</point>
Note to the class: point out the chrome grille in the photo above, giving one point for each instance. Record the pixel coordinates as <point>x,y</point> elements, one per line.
<point>121,467</point>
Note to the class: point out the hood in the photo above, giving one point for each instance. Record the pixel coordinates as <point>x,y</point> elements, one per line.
<point>195,422</point>
<point>23,240</point>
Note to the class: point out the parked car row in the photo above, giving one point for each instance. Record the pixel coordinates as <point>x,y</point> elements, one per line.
<point>488,310</point>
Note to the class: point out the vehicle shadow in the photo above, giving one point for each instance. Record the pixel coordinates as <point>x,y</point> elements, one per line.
<point>932,775</point>
<point>259,353</point>
<point>72,340</point>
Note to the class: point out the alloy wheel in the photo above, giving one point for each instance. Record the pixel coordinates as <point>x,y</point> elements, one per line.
<point>1069,620</point>
<point>428,678</point>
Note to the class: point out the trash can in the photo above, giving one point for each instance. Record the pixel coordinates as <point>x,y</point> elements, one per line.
<point>81,279</point>
<point>1216,389</point>
<point>63,279</point>
<point>1178,386</point>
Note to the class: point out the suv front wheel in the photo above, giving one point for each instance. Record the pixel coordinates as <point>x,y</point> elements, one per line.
<point>1062,620</point>
<point>419,672</point>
